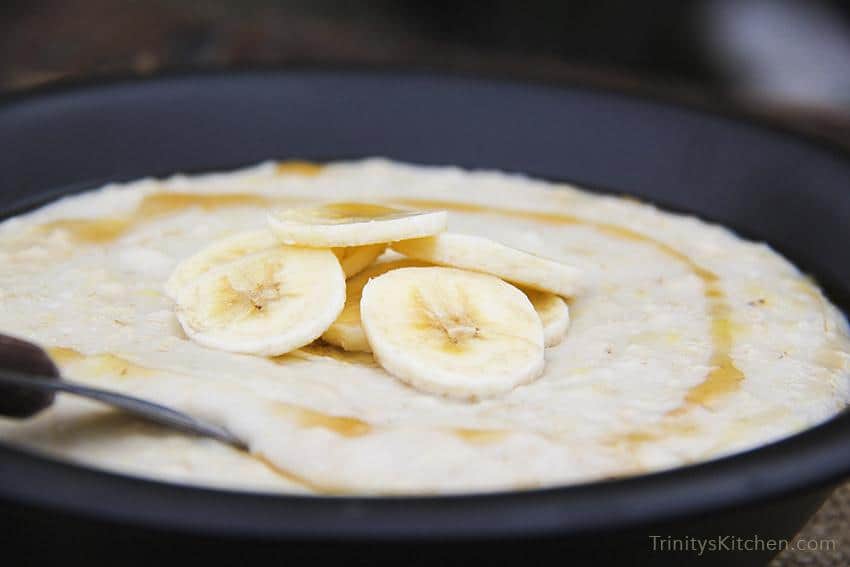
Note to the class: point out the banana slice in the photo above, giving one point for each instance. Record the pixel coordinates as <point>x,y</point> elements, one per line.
<point>347,332</point>
<point>354,259</point>
<point>268,303</point>
<point>484,255</point>
<point>452,332</point>
<point>554,314</point>
<point>353,224</point>
<point>215,255</point>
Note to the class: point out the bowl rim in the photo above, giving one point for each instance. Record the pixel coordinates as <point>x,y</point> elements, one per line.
<point>817,457</point>
<point>716,107</point>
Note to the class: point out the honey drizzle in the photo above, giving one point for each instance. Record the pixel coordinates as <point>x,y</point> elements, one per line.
<point>298,167</point>
<point>63,355</point>
<point>295,478</point>
<point>307,418</point>
<point>480,436</point>
<point>106,364</point>
<point>322,349</point>
<point>90,231</point>
<point>155,205</point>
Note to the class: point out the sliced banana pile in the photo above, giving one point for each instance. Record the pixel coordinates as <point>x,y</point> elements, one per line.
<point>460,316</point>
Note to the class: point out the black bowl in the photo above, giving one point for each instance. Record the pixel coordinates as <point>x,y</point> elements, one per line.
<point>767,184</point>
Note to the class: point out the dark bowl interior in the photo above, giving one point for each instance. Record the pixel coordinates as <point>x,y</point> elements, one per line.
<point>767,184</point>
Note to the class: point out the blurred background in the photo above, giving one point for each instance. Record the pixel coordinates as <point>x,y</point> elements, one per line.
<point>786,59</point>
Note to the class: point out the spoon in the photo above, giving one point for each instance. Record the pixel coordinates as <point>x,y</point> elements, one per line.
<point>29,382</point>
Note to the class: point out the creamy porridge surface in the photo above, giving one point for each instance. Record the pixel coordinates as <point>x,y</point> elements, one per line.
<point>686,342</point>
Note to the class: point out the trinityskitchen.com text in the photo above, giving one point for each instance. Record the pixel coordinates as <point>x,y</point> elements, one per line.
<point>701,545</point>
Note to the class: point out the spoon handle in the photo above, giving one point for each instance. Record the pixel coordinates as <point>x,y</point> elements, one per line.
<point>138,407</point>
